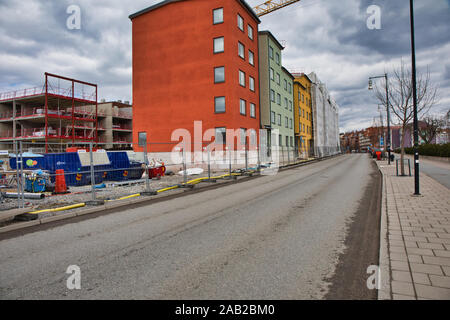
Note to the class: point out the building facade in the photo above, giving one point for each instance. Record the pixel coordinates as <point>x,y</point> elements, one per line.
<point>115,125</point>
<point>304,142</point>
<point>325,119</point>
<point>276,85</point>
<point>195,61</point>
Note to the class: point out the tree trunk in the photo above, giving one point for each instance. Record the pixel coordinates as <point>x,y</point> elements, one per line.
<point>402,155</point>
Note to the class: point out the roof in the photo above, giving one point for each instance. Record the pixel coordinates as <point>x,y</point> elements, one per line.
<point>287,72</point>
<point>165,2</point>
<point>299,75</point>
<point>266,32</point>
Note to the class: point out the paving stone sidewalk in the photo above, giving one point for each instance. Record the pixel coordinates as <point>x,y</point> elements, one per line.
<point>415,238</point>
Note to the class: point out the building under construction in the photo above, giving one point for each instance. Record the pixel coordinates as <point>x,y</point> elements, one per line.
<point>61,114</point>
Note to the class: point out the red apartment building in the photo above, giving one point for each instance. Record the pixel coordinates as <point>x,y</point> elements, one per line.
<point>194,60</point>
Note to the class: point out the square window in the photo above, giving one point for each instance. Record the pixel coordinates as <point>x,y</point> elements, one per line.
<point>241,50</point>
<point>219,104</point>
<point>252,110</point>
<point>240,21</point>
<point>243,107</point>
<point>218,16</point>
<point>251,83</point>
<point>250,32</point>
<point>221,135</point>
<point>219,74</point>
<point>242,78</point>
<point>251,58</point>
<point>219,45</point>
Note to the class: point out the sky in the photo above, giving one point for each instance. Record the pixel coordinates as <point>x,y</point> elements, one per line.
<point>328,37</point>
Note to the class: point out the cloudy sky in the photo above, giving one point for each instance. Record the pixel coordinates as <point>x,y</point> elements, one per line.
<point>326,36</point>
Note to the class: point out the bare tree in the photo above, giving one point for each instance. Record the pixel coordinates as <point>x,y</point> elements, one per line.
<point>431,127</point>
<point>401,99</point>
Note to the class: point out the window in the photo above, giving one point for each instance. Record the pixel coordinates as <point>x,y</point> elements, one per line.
<point>243,107</point>
<point>271,74</point>
<point>218,16</point>
<point>219,104</point>
<point>286,122</point>
<point>221,135</point>
<point>278,78</point>
<point>272,117</point>
<point>279,99</point>
<point>242,78</point>
<point>219,74</point>
<point>251,58</point>
<point>219,45</point>
<point>285,103</point>
<point>240,22</point>
<point>285,84</point>
<point>277,57</point>
<point>290,88</point>
<point>272,95</point>
<point>290,123</point>
<point>270,52</point>
<point>290,105</point>
<point>241,50</point>
<point>252,110</point>
<point>243,134</point>
<point>292,142</point>
<point>251,83</point>
<point>279,120</point>
<point>250,32</point>
<point>252,137</point>
<point>280,140</point>
<point>287,141</point>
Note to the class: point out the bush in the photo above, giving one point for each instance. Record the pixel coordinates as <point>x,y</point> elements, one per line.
<point>433,150</point>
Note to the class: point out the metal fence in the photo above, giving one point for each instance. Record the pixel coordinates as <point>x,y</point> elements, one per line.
<point>93,176</point>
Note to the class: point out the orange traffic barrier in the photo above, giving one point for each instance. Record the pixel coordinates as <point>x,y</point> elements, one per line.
<point>60,182</point>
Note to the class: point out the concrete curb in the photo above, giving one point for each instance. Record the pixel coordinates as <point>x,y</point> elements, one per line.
<point>384,291</point>
<point>124,203</point>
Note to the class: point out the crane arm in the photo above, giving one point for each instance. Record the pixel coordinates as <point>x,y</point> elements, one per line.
<point>272,5</point>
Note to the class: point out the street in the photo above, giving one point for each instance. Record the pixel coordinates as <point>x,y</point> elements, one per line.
<point>438,170</point>
<point>307,233</point>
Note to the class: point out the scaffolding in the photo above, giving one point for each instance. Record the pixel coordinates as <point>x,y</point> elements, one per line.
<point>60,114</point>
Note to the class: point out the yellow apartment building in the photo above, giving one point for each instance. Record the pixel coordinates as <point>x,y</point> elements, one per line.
<point>304,140</point>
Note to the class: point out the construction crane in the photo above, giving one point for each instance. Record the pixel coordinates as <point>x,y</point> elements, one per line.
<point>272,5</point>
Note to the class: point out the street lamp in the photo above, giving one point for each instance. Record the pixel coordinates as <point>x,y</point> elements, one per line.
<point>416,125</point>
<point>388,113</point>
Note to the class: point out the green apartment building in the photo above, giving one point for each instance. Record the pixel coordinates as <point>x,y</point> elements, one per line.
<point>276,93</point>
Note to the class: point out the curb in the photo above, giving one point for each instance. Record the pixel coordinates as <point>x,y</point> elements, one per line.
<point>127,202</point>
<point>384,291</point>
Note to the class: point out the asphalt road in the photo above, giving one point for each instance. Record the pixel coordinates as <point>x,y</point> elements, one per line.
<point>296,235</point>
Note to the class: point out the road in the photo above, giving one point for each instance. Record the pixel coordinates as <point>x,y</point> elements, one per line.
<point>306,233</point>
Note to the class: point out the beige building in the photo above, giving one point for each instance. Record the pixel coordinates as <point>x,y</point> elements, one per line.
<point>115,125</point>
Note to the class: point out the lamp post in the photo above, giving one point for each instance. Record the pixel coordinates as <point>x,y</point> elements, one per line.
<point>388,113</point>
<point>414,84</point>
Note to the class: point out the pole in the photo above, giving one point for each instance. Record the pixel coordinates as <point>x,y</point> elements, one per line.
<point>184,164</point>
<point>229,158</point>
<point>209,163</point>
<point>388,120</point>
<point>416,125</point>
<point>147,177</point>
<point>91,156</point>
<point>22,176</point>
<point>246,154</point>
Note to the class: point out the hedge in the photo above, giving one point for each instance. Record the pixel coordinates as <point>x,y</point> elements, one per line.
<point>434,150</point>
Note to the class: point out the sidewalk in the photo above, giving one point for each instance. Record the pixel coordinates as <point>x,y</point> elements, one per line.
<point>415,238</point>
